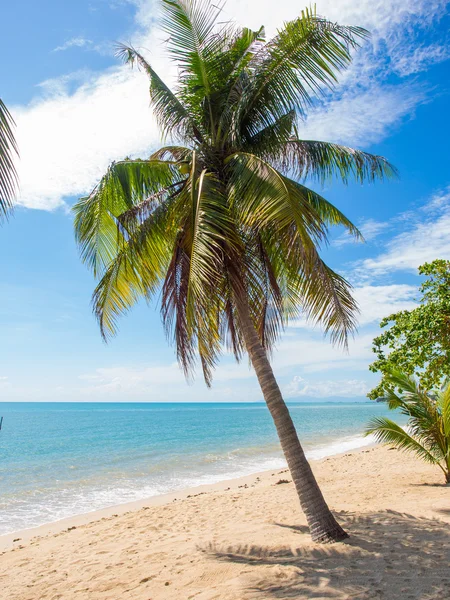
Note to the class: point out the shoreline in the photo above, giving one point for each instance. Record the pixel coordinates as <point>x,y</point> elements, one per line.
<point>10,540</point>
<point>247,539</point>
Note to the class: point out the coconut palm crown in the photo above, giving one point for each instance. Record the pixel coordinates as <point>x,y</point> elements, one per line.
<point>428,431</point>
<point>8,174</point>
<point>219,221</point>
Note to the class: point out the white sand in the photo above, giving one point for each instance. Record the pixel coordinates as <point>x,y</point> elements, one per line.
<point>247,539</point>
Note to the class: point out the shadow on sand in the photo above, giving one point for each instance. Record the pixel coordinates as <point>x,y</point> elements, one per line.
<point>390,555</point>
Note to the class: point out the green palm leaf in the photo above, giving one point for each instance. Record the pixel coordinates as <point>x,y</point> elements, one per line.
<point>308,159</point>
<point>387,431</point>
<point>326,299</point>
<point>428,426</point>
<point>289,70</point>
<point>125,184</point>
<point>137,268</point>
<point>172,117</point>
<point>190,25</point>
<point>260,196</point>
<point>8,173</point>
<point>444,402</point>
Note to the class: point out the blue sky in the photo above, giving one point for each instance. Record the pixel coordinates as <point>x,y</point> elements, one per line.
<point>77,109</point>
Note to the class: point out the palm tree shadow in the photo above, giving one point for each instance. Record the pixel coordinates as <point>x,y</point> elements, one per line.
<point>438,485</point>
<point>390,555</point>
<point>296,528</point>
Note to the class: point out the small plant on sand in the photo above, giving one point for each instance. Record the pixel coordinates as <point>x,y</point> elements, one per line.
<point>428,430</point>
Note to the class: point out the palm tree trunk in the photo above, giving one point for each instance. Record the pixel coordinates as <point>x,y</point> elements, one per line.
<point>323,526</point>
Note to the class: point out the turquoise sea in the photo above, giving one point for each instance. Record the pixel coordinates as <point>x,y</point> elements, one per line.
<point>62,459</point>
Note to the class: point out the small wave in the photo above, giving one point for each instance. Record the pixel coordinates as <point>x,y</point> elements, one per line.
<point>83,496</point>
<point>340,446</point>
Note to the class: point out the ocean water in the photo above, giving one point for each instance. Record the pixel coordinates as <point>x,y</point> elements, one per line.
<point>62,459</point>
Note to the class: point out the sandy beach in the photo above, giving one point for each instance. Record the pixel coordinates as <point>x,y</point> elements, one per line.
<point>246,539</point>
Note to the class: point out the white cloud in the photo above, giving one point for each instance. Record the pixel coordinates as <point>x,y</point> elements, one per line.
<point>347,388</point>
<point>425,239</point>
<point>75,42</point>
<point>370,229</point>
<point>421,59</point>
<point>231,381</point>
<point>67,141</point>
<point>314,353</point>
<point>130,380</point>
<point>361,118</point>
<point>67,138</point>
<point>150,381</point>
<point>379,301</point>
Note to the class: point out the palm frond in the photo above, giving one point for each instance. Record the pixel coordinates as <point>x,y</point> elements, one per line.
<point>327,212</point>
<point>173,306</point>
<point>266,143</point>
<point>307,159</point>
<point>189,24</point>
<point>388,432</point>
<point>178,154</point>
<point>260,195</point>
<point>136,269</point>
<point>404,382</point>
<point>8,152</point>
<point>172,117</point>
<point>125,184</point>
<point>325,298</point>
<point>211,228</point>
<point>263,288</point>
<point>209,234</point>
<point>302,60</point>
<point>444,402</point>
<point>139,213</point>
<point>229,328</point>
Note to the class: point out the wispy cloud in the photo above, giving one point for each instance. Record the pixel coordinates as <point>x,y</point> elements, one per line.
<point>347,388</point>
<point>425,238</point>
<point>421,59</point>
<point>75,42</point>
<point>363,117</point>
<point>370,229</point>
<point>379,301</point>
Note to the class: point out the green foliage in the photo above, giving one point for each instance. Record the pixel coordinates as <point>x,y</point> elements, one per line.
<point>8,174</point>
<point>428,428</point>
<point>418,341</point>
<point>223,214</point>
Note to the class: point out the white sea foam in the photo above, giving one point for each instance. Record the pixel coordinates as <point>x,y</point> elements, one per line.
<point>340,446</point>
<point>47,506</point>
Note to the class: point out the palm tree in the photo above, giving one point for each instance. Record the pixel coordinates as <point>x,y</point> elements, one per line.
<point>8,175</point>
<point>219,222</point>
<point>428,434</point>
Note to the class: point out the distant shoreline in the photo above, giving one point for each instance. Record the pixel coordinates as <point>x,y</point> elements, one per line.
<point>289,401</point>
